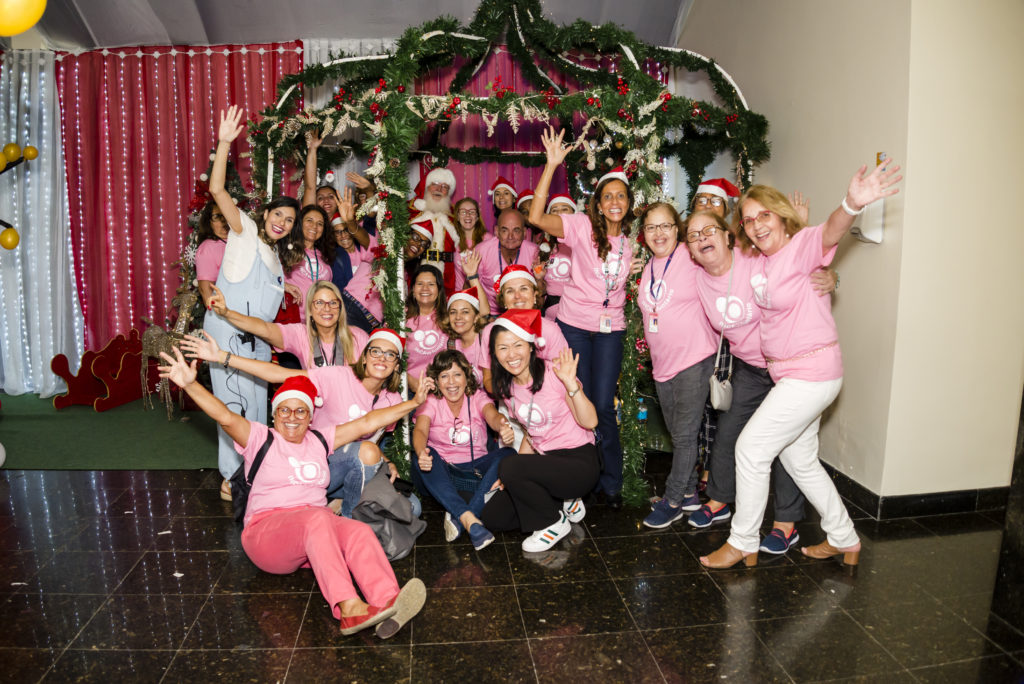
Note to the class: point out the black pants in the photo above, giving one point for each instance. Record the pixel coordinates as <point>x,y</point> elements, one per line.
<point>537,484</point>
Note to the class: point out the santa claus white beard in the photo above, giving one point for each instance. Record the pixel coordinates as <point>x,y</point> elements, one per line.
<point>438,206</point>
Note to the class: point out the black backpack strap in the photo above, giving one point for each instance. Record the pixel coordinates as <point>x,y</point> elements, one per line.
<point>260,455</point>
<point>322,441</point>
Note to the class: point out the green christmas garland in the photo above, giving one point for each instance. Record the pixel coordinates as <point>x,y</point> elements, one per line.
<point>628,117</point>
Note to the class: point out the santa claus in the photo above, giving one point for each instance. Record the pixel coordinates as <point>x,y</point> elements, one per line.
<point>432,209</point>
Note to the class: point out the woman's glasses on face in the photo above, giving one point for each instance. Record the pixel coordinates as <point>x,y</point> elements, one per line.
<point>285,412</point>
<point>378,353</point>
<point>761,218</point>
<point>659,228</point>
<point>706,231</point>
<point>713,201</point>
<point>321,304</point>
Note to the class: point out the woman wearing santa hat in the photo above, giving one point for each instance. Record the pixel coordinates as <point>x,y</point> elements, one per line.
<point>503,196</point>
<point>287,524</point>
<point>518,289</point>
<point>466,315</point>
<point>558,463</point>
<point>592,312</point>
<point>556,257</point>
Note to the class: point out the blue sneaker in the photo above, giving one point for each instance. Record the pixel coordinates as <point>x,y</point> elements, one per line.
<point>777,542</point>
<point>691,503</point>
<point>480,536</point>
<point>706,517</point>
<point>663,515</point>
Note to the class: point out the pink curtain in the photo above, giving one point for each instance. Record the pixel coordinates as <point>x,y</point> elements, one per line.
<point>139,127</point>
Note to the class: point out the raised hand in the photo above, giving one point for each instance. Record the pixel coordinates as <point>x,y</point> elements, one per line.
<point>177,371</point>
<point>554,149</point>
<point>201,346</point>
<point>426,386</point>
<point>470,262</point>
<point>358,180</point>
<point>346,207</point>
<point>313,140</point>
<point>217,304</point>
<point>506,433</point>
<point>801,204</point>
<point>230,124</point>
<point>565,367</point>
<point>865,189</point>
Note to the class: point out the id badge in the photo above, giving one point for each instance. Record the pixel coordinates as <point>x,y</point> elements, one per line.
<point>652,323</point>
<point>606,323</point>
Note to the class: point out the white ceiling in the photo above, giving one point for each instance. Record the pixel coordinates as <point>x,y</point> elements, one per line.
<point>86,24</point>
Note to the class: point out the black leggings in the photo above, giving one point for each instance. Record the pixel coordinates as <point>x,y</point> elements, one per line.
<point>537,484</point>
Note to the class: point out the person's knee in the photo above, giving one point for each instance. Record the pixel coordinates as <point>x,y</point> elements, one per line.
<point>370,453</point>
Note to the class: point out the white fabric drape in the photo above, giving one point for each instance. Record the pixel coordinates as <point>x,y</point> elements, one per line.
<point>40,315</point>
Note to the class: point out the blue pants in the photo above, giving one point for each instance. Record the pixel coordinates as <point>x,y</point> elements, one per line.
<point>598,372</point>
<point>349,475</point>
<point>444,480</point>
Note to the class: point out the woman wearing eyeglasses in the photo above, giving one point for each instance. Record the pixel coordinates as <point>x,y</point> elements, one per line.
<point>801,345</point>
<point>682,348</point>
<point>450,442</point>
<point>348,392</point>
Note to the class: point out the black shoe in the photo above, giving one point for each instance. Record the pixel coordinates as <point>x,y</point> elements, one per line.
<point>615,501</point>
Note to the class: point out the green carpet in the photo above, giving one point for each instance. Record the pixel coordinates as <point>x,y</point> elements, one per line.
<point>38,437</point>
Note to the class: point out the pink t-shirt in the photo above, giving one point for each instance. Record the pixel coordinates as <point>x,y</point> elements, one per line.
<point>546,415</point>
<point>583,297</point>
<point>734,308</point>
<point>450,436</point>
<point>208,257</point>
<point>798,335</point>
<point>291,475</point>
<point>477,354</point>
<point>554,340</point>
<point>684,335</point>
<point>310,270</point>
<point>361,286</point>
<point>557,272</point>
<point>424,342</point>
<point>295,340</point>
<point>346,399</point>
<point>492,263</point>
<point>460,274</point>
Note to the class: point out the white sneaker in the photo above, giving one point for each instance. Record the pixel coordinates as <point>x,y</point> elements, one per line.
<point>544,539</point>
<point>574,510</point>
<point>451,530</point>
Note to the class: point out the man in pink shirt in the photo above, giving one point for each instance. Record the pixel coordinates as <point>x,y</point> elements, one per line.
<point>509,248</point>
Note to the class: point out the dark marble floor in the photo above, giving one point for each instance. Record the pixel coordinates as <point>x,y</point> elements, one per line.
<point>139,576</point>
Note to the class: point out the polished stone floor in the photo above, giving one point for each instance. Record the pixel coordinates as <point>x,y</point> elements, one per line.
<point>138,576</point>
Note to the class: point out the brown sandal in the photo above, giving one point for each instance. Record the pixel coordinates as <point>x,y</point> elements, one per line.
<point>851,554</point>
<point>727,556</point>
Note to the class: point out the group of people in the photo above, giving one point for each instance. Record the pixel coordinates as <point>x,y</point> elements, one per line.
<point>513,349</point>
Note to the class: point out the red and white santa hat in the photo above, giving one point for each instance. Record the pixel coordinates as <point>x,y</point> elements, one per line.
<point>425,229</point>
<point>468,295</point>
<point>388,335</point>
<point>524,195</point>
<point>441,175</point>
<point>719,187</point>
<point>502,182</point>
<point>560,198</point>
<point>615,174</point>
<point>523,323</point>
<point>511,272</point>
<point>297,387</point>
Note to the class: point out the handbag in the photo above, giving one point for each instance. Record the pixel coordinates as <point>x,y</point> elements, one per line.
<point>720,392</point>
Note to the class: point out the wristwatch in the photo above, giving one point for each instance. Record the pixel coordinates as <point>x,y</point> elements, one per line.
<point>574,392</point>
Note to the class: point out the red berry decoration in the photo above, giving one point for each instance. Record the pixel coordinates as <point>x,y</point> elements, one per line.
<point>387,215</point>
<point>590,101</point>
<point>401,88</point>
<point>456,100</point>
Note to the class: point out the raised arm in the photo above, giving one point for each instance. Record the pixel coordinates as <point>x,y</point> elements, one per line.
<point>206,348</point>
<point>863,190</point>
<point>471,267</point>
<point>382,417</point>
<point>230,127</point>
<point>313,141</point>
<point>265,330</point>
<point>184,376</point>
<point>582,408</point>
<point>556,153</point>
<point>347,211</point>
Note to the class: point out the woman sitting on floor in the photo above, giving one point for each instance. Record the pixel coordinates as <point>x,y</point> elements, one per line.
<point>287,524</point>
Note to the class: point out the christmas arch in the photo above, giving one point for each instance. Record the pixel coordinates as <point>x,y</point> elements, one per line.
<point>617,117</point>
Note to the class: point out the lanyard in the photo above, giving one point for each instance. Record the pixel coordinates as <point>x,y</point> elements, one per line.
<point>501,268</point>
<point>609,284</point>
<point>654,297</point>
<point>309,265</point>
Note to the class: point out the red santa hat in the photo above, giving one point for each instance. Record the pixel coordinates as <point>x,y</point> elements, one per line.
<point>560,198</point>
<point>615,174</point>
<point>511,272</point>
<point>388,335</point>
<point>440,175</point>
<point>502,182</point>
<point>719,187</point>
<point>297,387</point>
<point>523,323</point>
<point>424,229</point>
<point>524,195</point>
<point>465,296</point>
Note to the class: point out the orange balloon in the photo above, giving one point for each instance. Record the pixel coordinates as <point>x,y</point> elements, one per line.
<point>18,16</point>
<point>12,150</point>
<point>9,239</point>
<point>30,152</point>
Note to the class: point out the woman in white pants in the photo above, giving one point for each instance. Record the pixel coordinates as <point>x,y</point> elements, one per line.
<point>800,342</point>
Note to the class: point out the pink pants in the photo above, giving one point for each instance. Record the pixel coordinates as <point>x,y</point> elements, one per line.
<point>337,549</point>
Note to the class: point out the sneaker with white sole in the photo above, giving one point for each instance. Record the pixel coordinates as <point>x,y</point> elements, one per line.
<point>706,517</point>
<point>546,538</point>
<point>574,510</point>
<point>777,542</point>
<point>452,529</point>
<point>663,515</point>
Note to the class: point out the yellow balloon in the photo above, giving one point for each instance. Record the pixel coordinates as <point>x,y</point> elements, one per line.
<point>18,16</point>
<point>3,162</point>
<point>30,152</point>
<point>9,238</point>
<point>12,150</point>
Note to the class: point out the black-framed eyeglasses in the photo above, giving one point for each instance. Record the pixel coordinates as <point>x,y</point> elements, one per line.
<point>378,353</point>
<point>659,227</point>
<point>706,231</point>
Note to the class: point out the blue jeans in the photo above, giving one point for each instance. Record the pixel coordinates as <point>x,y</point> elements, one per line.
<point>349,475</point>
<point>598,373</point>
<point>444,480</point>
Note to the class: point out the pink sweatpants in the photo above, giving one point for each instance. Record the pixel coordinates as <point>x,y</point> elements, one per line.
<point>337,549</point>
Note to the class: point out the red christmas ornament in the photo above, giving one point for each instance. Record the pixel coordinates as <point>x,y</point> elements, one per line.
<point>401,89</point>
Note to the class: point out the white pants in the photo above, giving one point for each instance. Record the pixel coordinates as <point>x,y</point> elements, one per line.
<point>786,425</point>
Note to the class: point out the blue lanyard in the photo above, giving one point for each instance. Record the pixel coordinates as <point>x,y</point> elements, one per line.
<point>609,285</point>
<point>309,264</point>
<point>654,297</point>
<point>501,269</point>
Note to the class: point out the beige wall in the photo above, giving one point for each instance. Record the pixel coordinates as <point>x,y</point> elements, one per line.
<point>840,81</point>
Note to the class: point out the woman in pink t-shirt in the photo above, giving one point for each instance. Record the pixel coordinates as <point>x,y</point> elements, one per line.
<point>466,316</point>
<point>424,309</point>
<point>517,289</point>
<point>592,310</point>
<point>450,442</point>
<point>556,257</point>
<point>801,345</point>
<point>312,263</point>
<point>213,238</point>
<point>364,307</point>
<point>558,462</point>
<point>323,340</point>
<point>287,523</point>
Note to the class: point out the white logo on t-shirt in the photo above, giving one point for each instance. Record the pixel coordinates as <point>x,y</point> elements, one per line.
<point>732,310</point>
<point>662,294</point>
<point>759,282</point>
<point>559,266</point>
<point>306,472</point>
<point>428,340</point>
<point>531,419</point>
<point>460,435</point>
<point>354,411</point>
<point>611,267</point>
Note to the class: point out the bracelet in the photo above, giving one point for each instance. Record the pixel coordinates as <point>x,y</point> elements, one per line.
<point>472,277</point>
<point>226,359</point>
<point>574,392</point>
<point>848,210</point>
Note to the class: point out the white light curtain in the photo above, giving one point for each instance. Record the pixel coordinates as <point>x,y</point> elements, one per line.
<point>40,316</point>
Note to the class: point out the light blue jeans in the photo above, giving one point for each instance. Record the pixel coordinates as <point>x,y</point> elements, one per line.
<point>349,475</point>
